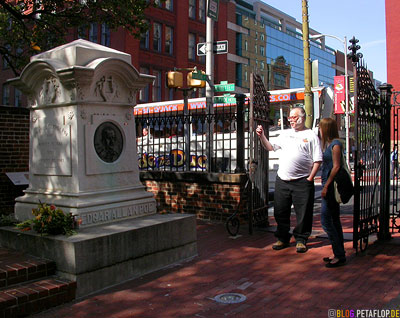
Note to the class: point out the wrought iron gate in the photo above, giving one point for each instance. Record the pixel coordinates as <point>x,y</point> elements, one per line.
<point>371,162</point>
<point>394,158</point>
<point>257,187</point>
<point>258,156</point>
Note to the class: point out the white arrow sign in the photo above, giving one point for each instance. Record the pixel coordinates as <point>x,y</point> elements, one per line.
<point>201,49</point>
<point>219,47</point>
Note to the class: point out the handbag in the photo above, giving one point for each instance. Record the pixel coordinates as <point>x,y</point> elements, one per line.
<point>343,184</point>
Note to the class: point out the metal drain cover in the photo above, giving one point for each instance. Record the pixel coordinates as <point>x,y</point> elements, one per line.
<point>230,298</point>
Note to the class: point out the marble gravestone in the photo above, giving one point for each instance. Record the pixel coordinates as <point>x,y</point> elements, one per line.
<point>82,134</point>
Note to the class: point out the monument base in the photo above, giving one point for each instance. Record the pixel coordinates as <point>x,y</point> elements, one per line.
<point>104,255</point>
<point>92,208</point>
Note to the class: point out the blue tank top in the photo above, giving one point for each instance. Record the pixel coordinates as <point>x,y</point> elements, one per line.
<point>327,162</point>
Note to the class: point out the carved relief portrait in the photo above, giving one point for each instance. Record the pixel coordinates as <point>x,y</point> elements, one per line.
<point>108,142</point>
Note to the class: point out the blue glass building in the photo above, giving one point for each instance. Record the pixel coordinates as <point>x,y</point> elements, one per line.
<point>283,38</point>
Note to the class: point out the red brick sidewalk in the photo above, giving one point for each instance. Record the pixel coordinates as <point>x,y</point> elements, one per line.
<point>275,283</point>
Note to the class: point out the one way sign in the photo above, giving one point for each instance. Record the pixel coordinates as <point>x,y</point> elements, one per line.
<point>219,47</point>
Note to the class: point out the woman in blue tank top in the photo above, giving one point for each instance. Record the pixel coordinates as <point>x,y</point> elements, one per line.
<point>330,212</point>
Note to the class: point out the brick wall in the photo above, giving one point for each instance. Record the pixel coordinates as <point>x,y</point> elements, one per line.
<point>211,196</point>
<point>14,153</point>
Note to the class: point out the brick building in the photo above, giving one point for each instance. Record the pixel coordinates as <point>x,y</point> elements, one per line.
<point>393,42</point>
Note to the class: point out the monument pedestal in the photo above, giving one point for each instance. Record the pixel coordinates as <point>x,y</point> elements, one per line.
<point>105,255</point>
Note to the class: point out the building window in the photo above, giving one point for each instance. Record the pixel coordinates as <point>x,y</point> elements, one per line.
<point>93,33</point>
<point>17,98</point>
<point>157,86</point>
<point>144,92</point>
<point>157,37</point>
<point>82,32</point>
<point>5,62</point>
<point>105,35</point>
<point>279,79</point>
<point>144,40</point>
<point>170,93</point>
<point>262,50</point>
<point>192,9</point>
<point>169,37</point>
<point>246,45</point>
<point>238,73</point>
<point>202,10</point>
<point>169,5</point>
<point>255,48</point>
<point>262,65</point>
<point>6,94</point>
<point>192,46</point>
<point>262,37</point>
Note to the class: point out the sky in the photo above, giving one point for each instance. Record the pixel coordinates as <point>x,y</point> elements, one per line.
<point>364,19</point>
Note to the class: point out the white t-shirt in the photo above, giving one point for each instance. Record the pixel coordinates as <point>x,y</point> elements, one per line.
<point>297,150</point>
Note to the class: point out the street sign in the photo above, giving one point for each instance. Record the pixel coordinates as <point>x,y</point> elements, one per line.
<point>224,87</point>
<point>212,9</point>
<point>219,47</point>
<point>199,76</point>
<point>226,99</point>
<point>201,48</point>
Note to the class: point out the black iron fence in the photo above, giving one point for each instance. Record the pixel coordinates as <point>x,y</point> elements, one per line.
<point>194,140</point>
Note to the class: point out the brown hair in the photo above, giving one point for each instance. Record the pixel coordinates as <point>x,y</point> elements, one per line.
<point>329,130</point>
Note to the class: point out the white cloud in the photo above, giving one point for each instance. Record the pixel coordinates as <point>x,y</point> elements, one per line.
<point>373,43</point>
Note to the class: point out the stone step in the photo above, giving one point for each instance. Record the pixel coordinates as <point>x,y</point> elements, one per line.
<point>16,267</point>
<point>25,299</point>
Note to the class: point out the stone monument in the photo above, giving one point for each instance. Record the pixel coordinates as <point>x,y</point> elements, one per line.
<point>82,134</point>
<point>83,159</point>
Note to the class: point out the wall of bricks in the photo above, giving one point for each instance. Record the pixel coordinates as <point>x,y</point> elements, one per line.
<point>14,153</point>
<point>211,196</point>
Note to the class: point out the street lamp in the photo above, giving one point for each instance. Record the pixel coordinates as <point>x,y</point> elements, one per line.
<point>346,90</point>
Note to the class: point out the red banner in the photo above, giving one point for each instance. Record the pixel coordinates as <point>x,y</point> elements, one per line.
<point>340,96</point>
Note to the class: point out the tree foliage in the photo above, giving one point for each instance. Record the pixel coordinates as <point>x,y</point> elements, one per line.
<point>30,26</point>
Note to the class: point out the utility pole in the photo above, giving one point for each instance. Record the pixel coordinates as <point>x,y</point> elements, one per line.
<point>210,82</point>
<point>308,96</point>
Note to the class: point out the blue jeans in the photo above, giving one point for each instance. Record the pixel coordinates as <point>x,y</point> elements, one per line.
<point>330,220</point>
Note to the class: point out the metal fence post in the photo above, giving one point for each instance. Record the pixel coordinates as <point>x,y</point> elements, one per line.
<point>240,133</point>
<point>384,215</point>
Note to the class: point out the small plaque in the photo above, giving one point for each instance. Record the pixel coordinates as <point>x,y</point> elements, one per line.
<point>108,142</point>
<point>18,178</point>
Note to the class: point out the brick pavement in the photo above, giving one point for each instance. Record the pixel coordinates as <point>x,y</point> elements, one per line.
<point>275,283</point>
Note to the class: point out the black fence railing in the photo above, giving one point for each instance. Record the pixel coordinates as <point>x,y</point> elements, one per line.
<point>194,140</point>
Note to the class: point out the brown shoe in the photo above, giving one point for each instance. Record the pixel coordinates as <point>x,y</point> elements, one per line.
<point>279,245</point>
<point>301,247</point>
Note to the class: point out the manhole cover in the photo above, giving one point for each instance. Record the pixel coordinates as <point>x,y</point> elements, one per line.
<point>230,298</point>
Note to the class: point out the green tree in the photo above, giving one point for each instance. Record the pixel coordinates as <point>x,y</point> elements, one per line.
<point>30,26</point>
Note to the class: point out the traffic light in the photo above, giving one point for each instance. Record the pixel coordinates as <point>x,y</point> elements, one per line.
<point>191,82</point>
<point>174,79</point>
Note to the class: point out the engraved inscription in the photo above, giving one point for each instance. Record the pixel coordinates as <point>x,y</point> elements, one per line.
<point>117,213</point>
<point>51,148</point>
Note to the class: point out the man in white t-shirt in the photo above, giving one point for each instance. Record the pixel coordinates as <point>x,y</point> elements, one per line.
<point>299,161</point>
